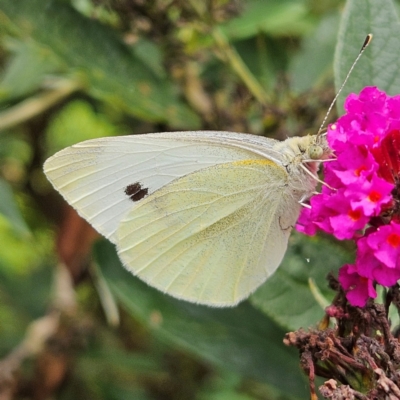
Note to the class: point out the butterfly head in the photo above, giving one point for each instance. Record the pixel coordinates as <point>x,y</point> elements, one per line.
<point>317,148</point>
<point>304,150</point>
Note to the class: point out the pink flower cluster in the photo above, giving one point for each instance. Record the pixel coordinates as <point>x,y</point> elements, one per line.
<point>362,201</point>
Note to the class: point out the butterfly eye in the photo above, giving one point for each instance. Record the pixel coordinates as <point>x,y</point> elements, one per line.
<point>315,152</point>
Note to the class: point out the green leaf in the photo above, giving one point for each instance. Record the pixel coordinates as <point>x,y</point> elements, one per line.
<point>380,64</point>
<point>108,371</point>
<point>240,339</point>
<point>108,67</point>
<point>76,122</point>
<point>228,395</point>
<point>24,296</point>
<point>265,57</point>
<point>9,209</point>
<point>275,17</point>
<point>26,71</point>
<point>151,55</point>
<point>286,296</point>
<point>314,62</point>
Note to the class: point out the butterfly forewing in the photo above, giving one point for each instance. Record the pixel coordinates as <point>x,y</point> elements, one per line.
<point>212,236</point>
<point>104,178</point>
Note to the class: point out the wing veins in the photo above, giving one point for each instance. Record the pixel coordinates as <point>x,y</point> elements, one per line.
<point>255,209</point>
<point>248,252</point>
<point>180,241</point>
<point>198,269</point>
<point>208,204</point>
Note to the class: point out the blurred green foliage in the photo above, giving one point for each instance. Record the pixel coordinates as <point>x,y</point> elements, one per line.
<point>79,69</point>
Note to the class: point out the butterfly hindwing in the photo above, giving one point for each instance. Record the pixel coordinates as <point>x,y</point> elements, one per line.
<point>212,236</point>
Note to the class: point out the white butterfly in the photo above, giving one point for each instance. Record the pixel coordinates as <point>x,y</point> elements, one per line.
<point>203,216</point>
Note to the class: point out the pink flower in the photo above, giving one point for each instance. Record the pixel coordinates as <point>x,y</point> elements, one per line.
<point>369,195</point>
<point>353,163</point>
<point>369,266</point>
<point>385,244</point>
<point>347,222</point>
<point>305,224</point>
<point>359,288</point>
<point>364,204</point>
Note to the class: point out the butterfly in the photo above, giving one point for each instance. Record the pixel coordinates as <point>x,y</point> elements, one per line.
<point>204,216</point>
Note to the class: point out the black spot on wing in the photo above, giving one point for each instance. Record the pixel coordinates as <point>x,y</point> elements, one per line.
<point>136,191</point>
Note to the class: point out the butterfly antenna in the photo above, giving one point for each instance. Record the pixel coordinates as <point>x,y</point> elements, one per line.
<point>367,41</point>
